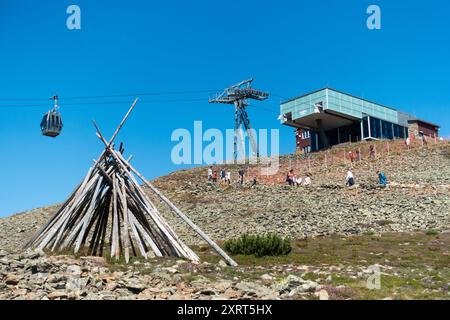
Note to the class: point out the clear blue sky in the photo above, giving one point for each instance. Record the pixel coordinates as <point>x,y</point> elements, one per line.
<point>289,47</point>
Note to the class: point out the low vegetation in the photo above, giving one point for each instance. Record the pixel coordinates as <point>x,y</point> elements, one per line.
<point>413,265</point>
<point>259,245</point>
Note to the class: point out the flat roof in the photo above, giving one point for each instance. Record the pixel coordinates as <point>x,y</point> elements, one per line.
<point>328,88</point>
<point>423,121</point>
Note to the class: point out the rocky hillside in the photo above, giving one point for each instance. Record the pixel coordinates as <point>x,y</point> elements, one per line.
<point>339,235</point>
<point>418,197</point>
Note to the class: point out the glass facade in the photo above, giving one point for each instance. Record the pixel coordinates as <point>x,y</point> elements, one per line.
<point>339,102</point>
<point>374,128</point>
<point>356,107</point>
<point>365,128</point>
<point>370,120</point>
<point>304,106</point>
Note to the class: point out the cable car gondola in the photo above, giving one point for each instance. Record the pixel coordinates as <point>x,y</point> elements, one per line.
<point>51,123</point>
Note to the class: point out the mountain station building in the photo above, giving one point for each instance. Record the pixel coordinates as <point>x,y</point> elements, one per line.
<point>327,117</point>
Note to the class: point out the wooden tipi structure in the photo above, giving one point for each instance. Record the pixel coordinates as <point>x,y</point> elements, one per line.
<point>109,211</point>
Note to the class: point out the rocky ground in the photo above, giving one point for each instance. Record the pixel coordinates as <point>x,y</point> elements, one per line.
<point>415,207</point>
<point>35,276</point>
<point>410,266</point>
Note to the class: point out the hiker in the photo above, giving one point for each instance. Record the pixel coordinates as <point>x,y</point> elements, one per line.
<point>372,151</point>
<point>222,175</point>
<point>228,177</point>
<point>241,176</point>
<point>214,176</point>
<point>290,177</point>
<point>307,180</point>
<point>210,173</point>
<point>382,178</point>
<point>351,156</point>
<point>424,140</point>
<point>358,155</point>
<point>254,182</point>
<point>349,180</point>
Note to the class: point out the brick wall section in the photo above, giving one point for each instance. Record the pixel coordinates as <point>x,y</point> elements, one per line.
<point>299,141</point>
<point>427,129</point>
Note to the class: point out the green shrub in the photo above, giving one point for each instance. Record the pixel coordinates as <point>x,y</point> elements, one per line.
<point>259,245</point>
<point>432,232</point>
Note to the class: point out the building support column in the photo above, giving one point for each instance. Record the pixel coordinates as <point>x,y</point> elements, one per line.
<point>322,134</point>
<point>362,130</point>
<point>381,128</point>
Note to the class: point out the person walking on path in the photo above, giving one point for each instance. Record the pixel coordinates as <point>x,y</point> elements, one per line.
<point>351,156</point>
<point>228,177</point>
<point>350,179</point>
<point>424,140</point>
<point>210,173</point>
<point>372,151</point>
<point>241,176</point>
<point>382,180</point>
<point>358,155</point>
<point>254,182</point>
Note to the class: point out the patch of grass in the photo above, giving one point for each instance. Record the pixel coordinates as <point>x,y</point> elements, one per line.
<point>399,288</point>
<point>432,232</point>
<point>230,273</point>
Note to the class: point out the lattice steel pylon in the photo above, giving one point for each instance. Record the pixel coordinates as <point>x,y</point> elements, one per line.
<point>238,95</point>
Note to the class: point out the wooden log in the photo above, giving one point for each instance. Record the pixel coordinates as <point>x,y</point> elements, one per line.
<point>88,215</point>
<point>115,247</point>
<point>137,238</point>
<point>103,173</point>
<point>155,218</point>
<point>105,225</point>
<point>75,231</point>
<point>158,237</point>
<point>98,230</point>
<point>154,215</point>
<point>126,242</point>
<point>66,218</point>
<point>146,236</point>
<point>120,124</point>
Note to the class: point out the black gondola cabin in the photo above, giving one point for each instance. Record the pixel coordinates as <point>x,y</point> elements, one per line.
<point>51,123</point>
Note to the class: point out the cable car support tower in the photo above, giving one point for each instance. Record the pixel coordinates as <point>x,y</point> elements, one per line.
<point>238,95</point>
